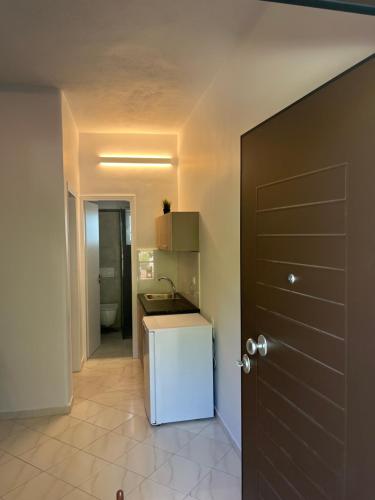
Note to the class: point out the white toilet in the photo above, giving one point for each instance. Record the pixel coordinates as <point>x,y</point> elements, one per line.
<point>108,313</point>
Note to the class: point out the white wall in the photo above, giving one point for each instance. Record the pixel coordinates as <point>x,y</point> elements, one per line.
<point>34,357</point>
<point>149,185</point>
<point>291,51</point>
<point>70,140</point>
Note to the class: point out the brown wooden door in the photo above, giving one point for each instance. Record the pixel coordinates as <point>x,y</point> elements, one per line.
<point>308,212</point>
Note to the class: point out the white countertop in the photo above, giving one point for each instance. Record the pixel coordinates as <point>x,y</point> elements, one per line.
<point>174,321</point>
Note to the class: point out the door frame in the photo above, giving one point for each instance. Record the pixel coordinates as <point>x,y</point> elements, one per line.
<point>131,198</point>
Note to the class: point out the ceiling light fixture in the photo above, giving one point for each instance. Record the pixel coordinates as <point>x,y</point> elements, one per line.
<point>135,161</point>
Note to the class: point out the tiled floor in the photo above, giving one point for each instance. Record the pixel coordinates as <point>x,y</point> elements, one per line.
<point>107,443</point>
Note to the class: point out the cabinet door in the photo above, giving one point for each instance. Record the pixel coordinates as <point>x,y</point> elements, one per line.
<point>163,232</point>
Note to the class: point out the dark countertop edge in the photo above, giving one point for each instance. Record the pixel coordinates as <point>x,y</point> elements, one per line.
<point>187,307</point>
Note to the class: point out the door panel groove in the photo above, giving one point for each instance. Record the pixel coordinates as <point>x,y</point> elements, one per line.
<point>301,264</point>
<point>301,323</point>
<point>319,314</point>
<point>328,415</point>
<point>328,446</point>
<point>300,205</point>
<point>308,449</point>
<point>269,486</point>
<point>314,297</point>
<point>292,492</point>
<point>291,471</point>
<point>305,385</point>
<point>301,235</point>
<point>309,461</point>
<point>304,174</point>
<point>313,343</point>
<point>300,353</point>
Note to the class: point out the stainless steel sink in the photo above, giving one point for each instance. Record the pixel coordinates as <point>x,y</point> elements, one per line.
<point>160,296</point>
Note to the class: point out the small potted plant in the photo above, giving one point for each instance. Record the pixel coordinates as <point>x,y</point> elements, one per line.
<point>166,206</point>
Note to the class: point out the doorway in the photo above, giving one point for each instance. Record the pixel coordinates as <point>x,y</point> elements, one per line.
<point>109,278</point>
<point>308,268</point>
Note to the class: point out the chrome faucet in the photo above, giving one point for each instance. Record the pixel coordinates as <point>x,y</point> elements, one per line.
<point>174,291</point>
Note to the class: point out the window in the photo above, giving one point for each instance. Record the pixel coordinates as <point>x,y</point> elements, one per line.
<point>146,264</point>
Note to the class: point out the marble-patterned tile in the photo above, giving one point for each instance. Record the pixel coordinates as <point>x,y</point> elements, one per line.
<point>86,409</point>
<point>195,426</point>
<point>9,427</point>
<point>53,425</point>
<point>218,486</point>
<point>149,490</point>
<point>143,459</point>
<point>109,418</point>
<point>135,406</point>
<point>78,494</point>
<point>180,474</point>
<point>215,430</point>
<point>14,473</point>
<point>21,441</point>
<point>41,487</point>
<point>110,398</point>
<point>5,457</point>
<point>48,453</point>
<point>110,479</point>
<point>169,438</point>
<point>136,427</point>
<point>81,435</point>
<point>78,468</point>
<point>230,463</point>
<point>204,450</point>
<point>111,446</point>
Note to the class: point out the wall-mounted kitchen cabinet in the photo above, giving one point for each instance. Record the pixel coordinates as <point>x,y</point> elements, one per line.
<point>178,232</point>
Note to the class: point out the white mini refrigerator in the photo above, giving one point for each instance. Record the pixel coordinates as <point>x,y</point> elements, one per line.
<point>178,368</point>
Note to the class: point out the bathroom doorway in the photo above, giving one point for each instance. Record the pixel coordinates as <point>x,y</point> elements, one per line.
<point>109,278</point>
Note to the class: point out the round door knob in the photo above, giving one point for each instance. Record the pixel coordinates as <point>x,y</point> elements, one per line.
<point>253,347</point>
<point>245,364</point>
<point>292,278</point>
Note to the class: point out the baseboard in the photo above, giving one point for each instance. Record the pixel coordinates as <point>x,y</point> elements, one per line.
<point>236,446</point>
<point>41,412</point>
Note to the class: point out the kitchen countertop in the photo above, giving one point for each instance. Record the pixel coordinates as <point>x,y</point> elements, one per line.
<point>168,306</point>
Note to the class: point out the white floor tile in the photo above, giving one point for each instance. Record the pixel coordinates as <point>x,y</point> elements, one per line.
<point>86,409</point>
<point>42,487</point>
<point>180,474</point>
<point>109,418</point>
<point>81,435</point>
<point>14,473</point>
<point>143,459</point>
<point>77,494</point>
<point>218,486</point>
<point>49,453</point>
<point>110,479</point>
<point>215,430</point>
<point>52,426</point>
<point>137,428</point>
<point>204,450</point>
<point>111,446</point>
<point>78,468</point>
<point>169,438</point>
<point>21,441</point>
<point>149,490</point>
<point>8,427</point>
<point>230,463</point>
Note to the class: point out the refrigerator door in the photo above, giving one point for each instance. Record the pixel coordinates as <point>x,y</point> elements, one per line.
<point>183,374</point>
<point>149,373</point>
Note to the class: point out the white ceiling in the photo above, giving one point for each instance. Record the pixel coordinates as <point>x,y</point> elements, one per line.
<point>125,65</point>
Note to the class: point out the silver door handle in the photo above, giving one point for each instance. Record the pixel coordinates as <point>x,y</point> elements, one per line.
<point>253,347</point>
<point>245,364</point>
